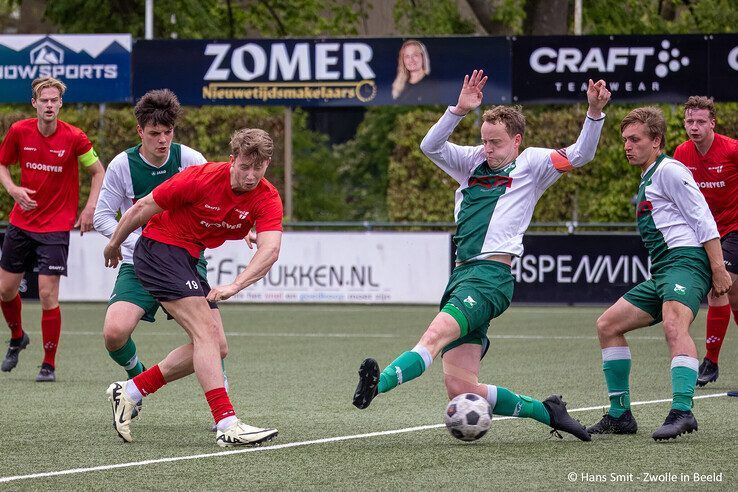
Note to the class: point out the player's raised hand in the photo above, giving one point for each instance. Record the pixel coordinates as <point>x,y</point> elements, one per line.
<point>597,97</point>
<point>22,197</point>
<point>471,93</point>
<point>112,255</point>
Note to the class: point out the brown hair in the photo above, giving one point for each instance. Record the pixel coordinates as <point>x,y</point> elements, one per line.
<point>700,102</point>
<point>652,118</point>
<point>252,143</point>
<point>511,116</point>
<point>42,83</point>
<point>158,107</point>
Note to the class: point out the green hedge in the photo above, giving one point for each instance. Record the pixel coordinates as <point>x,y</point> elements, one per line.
<point>601,191</point>
<point>381,173</point>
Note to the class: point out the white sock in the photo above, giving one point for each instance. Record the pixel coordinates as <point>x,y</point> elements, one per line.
<point>492,395</point>
<point>425,354</point>
<point>226,422</point>
<point>133,392</point>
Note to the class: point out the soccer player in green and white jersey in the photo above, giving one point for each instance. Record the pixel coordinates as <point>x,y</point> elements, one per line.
<point>132,175</point>
<point>498,189</point>
<point>683,243</point>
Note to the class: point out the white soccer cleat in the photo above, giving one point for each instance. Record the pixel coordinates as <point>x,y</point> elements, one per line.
<point>240,434</point>
<point>123,407</point>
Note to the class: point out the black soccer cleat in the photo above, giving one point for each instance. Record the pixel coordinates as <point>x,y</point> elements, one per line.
<point>677,423</point>
<point>366,390</point>
<point>562,421</point>
<point>46,374</point>
<point>11,357</point>
<point>708,372</point>
<point>625,424</point>
<point>733,393</point>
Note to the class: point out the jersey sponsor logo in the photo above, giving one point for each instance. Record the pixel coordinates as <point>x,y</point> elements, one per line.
<point>241,213</point>
<point>37,166</point>
<point>59,153</point>
<point>490,182</point>
<point>159,173</point>
<point>212,207</point>
<point>224,225</point>
<point>717,169</point>
<point>710,184</point>
<point>645,207</point>
<point>32,149</point>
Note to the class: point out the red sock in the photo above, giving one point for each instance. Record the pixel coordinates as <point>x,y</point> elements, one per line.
<point>12,314</point>
<point>220,404</point>
<point>718,318</point>
<point>149,381</point>
<point>50,332</point>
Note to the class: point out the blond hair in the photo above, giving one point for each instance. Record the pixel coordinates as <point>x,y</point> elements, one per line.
<point>402,73</point>
<point>42,83</point>
<point>652,118</point>
<point>511,116</point>
<point>252,143</point>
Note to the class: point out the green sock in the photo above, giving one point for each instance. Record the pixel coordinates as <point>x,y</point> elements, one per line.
<point>617,375</point>
<point>683,380</point>
<point>406,367</point>
<point>510,404</point>
<point>126,357</point>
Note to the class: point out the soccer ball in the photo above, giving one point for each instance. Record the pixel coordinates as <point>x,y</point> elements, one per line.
<point>468,417</point>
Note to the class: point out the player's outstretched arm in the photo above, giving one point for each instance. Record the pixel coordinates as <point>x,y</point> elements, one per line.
<point>584,149</point>
<point>267,253</point>
<point>470,97</point>
<point>135,217</point>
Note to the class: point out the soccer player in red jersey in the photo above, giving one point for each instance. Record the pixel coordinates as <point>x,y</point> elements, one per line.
<point>200,207</point>
<point>713,160</point>
<point>49,152</point>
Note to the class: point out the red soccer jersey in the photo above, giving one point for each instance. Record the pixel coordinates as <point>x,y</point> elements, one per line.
<point>49,166</point>
<point>202,211</point>
<point>716,173</point>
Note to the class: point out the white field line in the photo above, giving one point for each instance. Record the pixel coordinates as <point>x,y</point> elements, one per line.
<point>74,471</point>
<point>367,335</point>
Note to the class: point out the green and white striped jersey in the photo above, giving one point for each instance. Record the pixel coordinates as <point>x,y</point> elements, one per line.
<point>130,177</point>
<point>494,207</point>
<point>671,211</point>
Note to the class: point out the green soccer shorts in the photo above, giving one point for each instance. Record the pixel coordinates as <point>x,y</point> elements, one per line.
<point>686,279</point>
<point>476,293</point>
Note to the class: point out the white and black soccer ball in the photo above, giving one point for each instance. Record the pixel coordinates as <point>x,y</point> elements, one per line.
<point>468,417</point>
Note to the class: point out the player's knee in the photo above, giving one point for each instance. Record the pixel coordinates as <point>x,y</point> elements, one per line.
<point>7,292</point>
<point>47,296</point>
<point>606,326</point>
<point>115,335</point>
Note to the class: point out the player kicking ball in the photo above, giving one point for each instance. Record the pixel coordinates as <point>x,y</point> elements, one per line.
<point>498,190</point>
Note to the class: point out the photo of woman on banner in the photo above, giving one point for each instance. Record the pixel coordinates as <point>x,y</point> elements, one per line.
<point>411,86</point>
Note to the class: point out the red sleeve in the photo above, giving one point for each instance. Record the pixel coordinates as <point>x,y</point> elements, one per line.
<point>179,190</point>
<point>734,153</point>
<point>9,148</point>
<point>82,145</point>
<point>269,216</point>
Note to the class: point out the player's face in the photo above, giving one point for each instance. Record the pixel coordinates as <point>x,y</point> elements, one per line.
<point>246,172</point>
<point>412,57</point>
<point>699,125</point>
<point>640,149</point>
<point>48,104</point>
<point>499,147</point>
<point>155,142</point>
